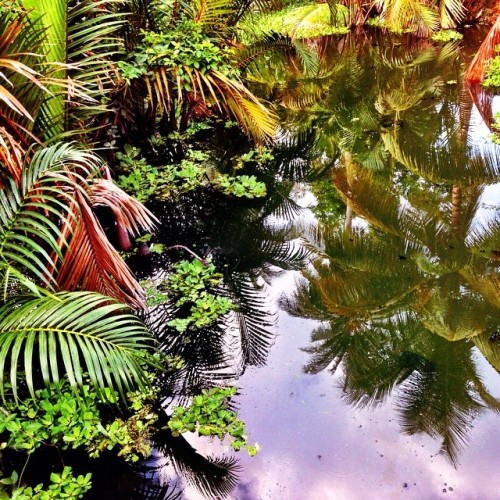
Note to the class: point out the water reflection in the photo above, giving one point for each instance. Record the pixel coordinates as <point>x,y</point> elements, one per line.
<point>249,251</point>
<point>253,246</point>
<point>403,273</point>
<point>412,268</point>
<point>174,466</point>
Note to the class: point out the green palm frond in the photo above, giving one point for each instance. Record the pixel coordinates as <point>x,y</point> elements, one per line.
<point>250,7</point>
<point>212,12</point>
<point>356,187</point>
<point>380,359</point>
<point>255,118</point>
<point>438,163</point>
<point>483,238</point>
<point>305,302</point>
<point>414,15</point>
<point>409,57</point>
<point>405,94</point>
<point>79,38</point>
<point>86,333</point>
<point>28,235</point>
<point>217,90</point>
<point>15,286</point>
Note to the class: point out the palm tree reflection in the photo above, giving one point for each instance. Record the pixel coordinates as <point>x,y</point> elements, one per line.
<point>422,271</point>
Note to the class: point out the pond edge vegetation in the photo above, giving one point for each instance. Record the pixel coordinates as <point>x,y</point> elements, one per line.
<point>86,85</point>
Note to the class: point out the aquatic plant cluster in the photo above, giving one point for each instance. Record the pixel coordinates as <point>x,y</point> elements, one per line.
<point>114,116</point>
<point>492,71</point>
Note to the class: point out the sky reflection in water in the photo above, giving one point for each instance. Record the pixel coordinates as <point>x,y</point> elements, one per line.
<point>315,445</point>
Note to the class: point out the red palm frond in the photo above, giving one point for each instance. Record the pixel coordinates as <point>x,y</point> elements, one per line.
<point>475,71</point>
<point>131,217</point>
<point>92,263</point>
<point>11,155</point>
<point>483,101</point>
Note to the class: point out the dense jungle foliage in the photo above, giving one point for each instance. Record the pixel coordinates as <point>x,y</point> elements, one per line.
<point>110,112</point>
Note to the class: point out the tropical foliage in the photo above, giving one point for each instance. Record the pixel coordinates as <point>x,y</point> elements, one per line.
<point>418,16</point>
<point>134,83</point>
<point>66,292</point>
<point>187,66</point>
<point>492,71</point>
<point>51,237</point>
<point>209,415</point>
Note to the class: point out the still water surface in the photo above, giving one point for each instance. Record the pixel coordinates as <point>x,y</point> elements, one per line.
<point>367,348</point>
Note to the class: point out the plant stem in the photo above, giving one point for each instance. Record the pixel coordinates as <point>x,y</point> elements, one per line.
<point>203,261</point>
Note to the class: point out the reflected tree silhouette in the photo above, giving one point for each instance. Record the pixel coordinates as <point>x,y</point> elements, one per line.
<point>174,465</point>
<point>412,269</point>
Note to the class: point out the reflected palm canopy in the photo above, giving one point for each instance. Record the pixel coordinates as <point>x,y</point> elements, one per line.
<point>407,288</point>
<point>403,255</point>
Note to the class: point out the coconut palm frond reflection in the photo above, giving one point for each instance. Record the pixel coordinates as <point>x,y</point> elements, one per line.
<point>406,286</point>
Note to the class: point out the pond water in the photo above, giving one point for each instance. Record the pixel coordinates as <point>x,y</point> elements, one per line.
<point>367,346</point>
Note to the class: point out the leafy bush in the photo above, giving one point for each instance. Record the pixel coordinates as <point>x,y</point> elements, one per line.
<point>58,418</point>
<point>140,179</point>
<point>183,46</point>
<point>63,486</point>
<point>193,284</point>
<point>209,415</point>
<point>492,72</point>
<point>241,186</point>
<point>146,182</point>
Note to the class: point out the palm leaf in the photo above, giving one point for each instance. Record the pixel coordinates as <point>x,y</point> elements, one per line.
<point>80,38</point>
<point>20,91</point>
<point>11,154</point>
<point>81,330</point>
<point>27,233</point>
<point>212,12</point>
<point>282,45</point>
<point>451,13</point>
<point>50,16</point>
<point>257,120</point>
<point>129,214</point>
<point>15,286</point>
<point>215,89</point>
<point>476,69</point>
<point>409,14</point>
<point>92,263</point>
<point>78,256</point>
<point>12,63</point>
